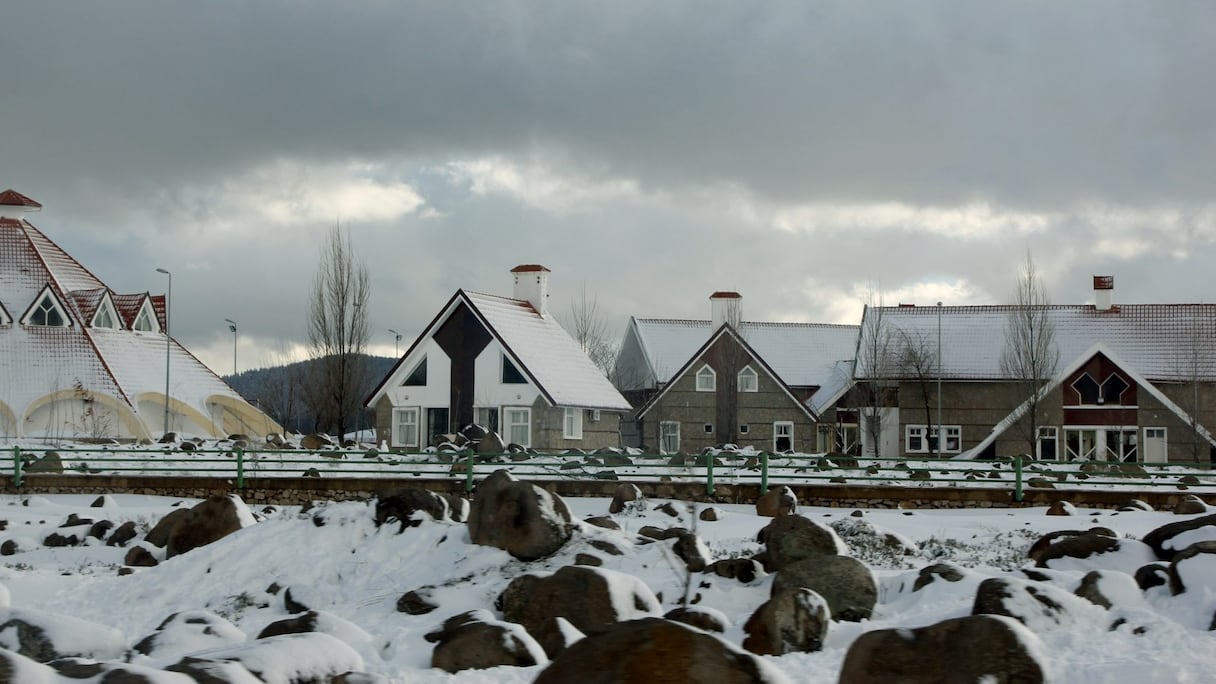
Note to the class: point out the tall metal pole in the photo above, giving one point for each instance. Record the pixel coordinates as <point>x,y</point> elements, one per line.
<point>940,436</point>
<point>232,327</point>
<point>396,342</point>
<point>168,299</point>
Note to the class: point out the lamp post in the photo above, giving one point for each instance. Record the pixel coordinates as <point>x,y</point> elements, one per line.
<point>396,342</point>
<point>939,380</point>
<point>168,299</point>
<point>232,328</point>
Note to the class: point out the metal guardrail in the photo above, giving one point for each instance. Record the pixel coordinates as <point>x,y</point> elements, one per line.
<point>764,469</point>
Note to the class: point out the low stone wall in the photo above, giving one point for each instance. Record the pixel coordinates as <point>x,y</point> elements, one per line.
<point>288,491</point>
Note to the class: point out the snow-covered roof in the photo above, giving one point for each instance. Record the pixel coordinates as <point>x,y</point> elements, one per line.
<point>39,362</point>
<point>1159,341</point>
<point>544,351</point>
<point>802,354</point>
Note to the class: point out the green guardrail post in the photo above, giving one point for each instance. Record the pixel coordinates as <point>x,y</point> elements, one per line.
<point>709,474</point>
<point>1017,478</point>
<point>240,467</point>
<point>16,466</point>
<point>468,473</point>
<point>763,472</point>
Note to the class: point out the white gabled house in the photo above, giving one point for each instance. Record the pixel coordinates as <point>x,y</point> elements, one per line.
<point>502,363</point>
<point>80,361</point>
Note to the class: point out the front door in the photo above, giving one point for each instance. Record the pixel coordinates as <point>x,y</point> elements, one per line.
<point>1154,445</point>
<point>437,422</point>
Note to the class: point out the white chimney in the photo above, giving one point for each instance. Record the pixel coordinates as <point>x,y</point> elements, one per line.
<point>14,205</point>
<point>725,307</point>
<point>532,286</point>
<point>1104,287</point>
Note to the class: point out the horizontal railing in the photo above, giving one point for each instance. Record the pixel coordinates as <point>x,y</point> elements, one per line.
<point>721,467</point>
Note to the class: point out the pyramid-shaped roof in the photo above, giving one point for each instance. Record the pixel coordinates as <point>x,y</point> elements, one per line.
<point>43,366</point>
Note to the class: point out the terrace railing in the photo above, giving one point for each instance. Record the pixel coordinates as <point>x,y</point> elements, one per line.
<point>765,469</point>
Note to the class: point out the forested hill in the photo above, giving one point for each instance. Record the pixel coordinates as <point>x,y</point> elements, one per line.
<point>280,391</point>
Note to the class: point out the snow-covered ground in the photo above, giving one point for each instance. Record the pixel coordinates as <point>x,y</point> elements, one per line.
<point>354,573</point>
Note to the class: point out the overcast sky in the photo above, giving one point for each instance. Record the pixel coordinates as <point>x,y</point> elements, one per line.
<point>797,152</point>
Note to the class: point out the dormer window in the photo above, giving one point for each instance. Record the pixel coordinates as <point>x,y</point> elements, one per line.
<point>106,316</point>
<point>144,321</point>
<point>707,379</point>
<point>748,380</point>
<point>47,312</point>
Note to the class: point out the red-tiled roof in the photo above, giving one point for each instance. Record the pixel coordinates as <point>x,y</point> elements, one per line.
<point>12,198</point>
<point>725,294</point>
<point>529,268</point>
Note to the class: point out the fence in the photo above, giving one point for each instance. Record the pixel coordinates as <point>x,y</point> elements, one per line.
<point>763,469</point>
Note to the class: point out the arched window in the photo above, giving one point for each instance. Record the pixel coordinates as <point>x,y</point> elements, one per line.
<point>707,379</point>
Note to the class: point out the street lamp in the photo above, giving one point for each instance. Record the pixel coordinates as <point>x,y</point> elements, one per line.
<point>396,342</point>
<point>939,380</point>
<point>232,327</point>
<point>168,298</point>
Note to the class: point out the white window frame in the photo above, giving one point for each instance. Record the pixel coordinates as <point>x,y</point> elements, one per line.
<point>481,416</point>
<point>927,437</point>
<point>748,380</point>
<point>1047,432</point>
<point>400,425</point>
<point>669,437</point>
<point>706,382</point>
<point>780,428</point>
<point>517,417</point>
<point>572,424</point>
<point>46,295</point>
<point>106,308</point>
<point>145,320</point>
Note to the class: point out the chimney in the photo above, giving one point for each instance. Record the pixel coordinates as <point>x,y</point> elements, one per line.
<point>1104,287</point>
<point>725,307</point>
<point>532,286</point>
<point>14,205</point>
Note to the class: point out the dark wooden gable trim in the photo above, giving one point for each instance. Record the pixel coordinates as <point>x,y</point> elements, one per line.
<point>463,336</point>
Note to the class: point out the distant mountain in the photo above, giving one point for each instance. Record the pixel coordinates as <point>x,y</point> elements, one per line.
<point>279,392</point>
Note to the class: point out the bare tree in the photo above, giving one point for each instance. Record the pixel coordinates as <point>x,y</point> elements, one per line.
<point>1195,363</point>
<point>917,360</point>
<point>338,332</point>
<point>1030,356</point>
<point>877,357</point>
<point>589,328</point>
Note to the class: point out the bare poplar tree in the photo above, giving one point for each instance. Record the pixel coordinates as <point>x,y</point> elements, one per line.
<point>589,328</point>
<point>876,357</point>
<point>1030,357</point>
<point>917,359</point>
<point>338,332</point>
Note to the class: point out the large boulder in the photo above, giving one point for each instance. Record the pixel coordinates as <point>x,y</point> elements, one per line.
<point>404,505</point>
<point>522,519</point>
<point>187,632</point>
<point>791,538</point>
<point>1171,538</point>
<point>311,657</point>
<point>475,640</point>
<point>588,598</point>
<point>976,648</point>
<point>45,637</point>
<point>627,496</point>
<point>844,582</point>
<point>315,442</point>
<point>209,521</point>
<point>1191,569</point>
<point>793,620</point>
<point>1038,605</point>
<point>158,536</point>
<point>654,650</point>
<point>1086,552</point>
<point>777,502</point>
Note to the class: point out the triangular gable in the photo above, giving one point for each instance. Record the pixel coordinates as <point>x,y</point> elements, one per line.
<point>1075,365</point>
<point>5,319</point>
<point>46,306</point>
<point>726,329</point>
<point>106,316</point>
<point>145,312</point>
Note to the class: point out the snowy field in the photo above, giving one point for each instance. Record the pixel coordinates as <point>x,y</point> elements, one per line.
<point>354,573</point>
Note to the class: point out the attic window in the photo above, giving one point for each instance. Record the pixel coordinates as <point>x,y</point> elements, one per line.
<point>47,313</point>
<point>511,374</point>
<point>707,379</point>
<point>4,319</point>
<point>143,322</point>
<point>748,381</point>
<point>417,377</point>
<point>106,317</point>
